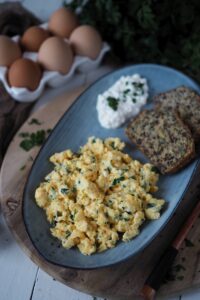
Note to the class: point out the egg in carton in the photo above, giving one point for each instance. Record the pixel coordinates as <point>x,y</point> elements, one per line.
<point>84,59</point>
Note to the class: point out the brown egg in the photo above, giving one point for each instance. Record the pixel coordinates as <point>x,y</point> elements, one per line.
<point>24,73</point>
<point>56,55</point>
<point>33,38</point>
<point>62,22</point>
<point>86,41</point>
<point>9,51</point>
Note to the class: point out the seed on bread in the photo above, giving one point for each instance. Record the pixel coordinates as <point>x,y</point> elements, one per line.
<point>186,102</point>
<point>163,138</point>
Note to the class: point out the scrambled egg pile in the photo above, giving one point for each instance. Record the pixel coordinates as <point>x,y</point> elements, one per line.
<point>97,196</point>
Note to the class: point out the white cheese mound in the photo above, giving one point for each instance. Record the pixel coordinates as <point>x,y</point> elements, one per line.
<point>122,101</point>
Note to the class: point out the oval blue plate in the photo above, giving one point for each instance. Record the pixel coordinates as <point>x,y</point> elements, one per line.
<point>72,131</point>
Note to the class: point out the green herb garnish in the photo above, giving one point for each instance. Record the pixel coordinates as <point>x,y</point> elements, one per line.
<point>154,169</point>
<point>126,91</point>
<point>64,191</point>
<point>34,121</point>
<point>24,134</point>
<point>118,180</point>
<point>32,139</point>
<point>112,144</point>
<point>53,223</point>
<point>68,233</point>
<point>23,167</point>
<point>164,32</point>
<point>52,193</point>
<point>179,267</point>
<point>151,205</point>
<point>108,170</point>
<point>113,103</point>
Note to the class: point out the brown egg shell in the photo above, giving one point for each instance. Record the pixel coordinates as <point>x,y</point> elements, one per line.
<point>33,38</point>
<point>86,41</point>
<point>24,73</point>
<point>62,22</point>
<point>9,51</point>
<point>55,54</point>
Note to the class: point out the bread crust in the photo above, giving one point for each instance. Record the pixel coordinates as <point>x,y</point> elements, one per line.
<point>158,102</point>
<point>189,156</point>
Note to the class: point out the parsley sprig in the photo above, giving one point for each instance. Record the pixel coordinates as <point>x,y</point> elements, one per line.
<point>165,32</point>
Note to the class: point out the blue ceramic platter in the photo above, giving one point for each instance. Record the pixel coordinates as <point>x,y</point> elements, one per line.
<point>72,131</point>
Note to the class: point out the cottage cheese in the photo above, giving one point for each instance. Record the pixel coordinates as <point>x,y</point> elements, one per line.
<point>122,101</point>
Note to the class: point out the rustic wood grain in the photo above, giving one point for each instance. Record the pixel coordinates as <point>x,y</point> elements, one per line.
<point>123,281</point>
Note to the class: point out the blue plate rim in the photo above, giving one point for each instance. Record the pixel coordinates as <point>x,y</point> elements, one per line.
<point>57,124</point>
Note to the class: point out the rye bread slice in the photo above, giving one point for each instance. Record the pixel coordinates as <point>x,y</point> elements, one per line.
<point>187,104</point>
<point>163,138</point>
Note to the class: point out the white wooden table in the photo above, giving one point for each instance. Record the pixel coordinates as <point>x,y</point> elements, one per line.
<point>21,279</point>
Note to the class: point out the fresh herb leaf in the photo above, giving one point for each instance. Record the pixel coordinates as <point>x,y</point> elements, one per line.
<point>164,32</point>
<point>64,191</point>
<point>68,233</point>
<point>34,121</point>
<point>108,170</point>
<point>154,169</point>
<point>118,180</point>
<point>93,141</point>
<point>52,193</point>
<point>49,130</point>
<point>32,139</point>
<point>53,223</point>
<point>134,100</point>
<point>126,91</point>
<point>112,144</point>
<point>150,205</point>
<point>23,167</point>
<point>24,134</point>
<point>179,267</point>
<point>113,103</point>
<point>26,144</point>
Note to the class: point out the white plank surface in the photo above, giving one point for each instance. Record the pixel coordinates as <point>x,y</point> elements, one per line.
<point>17,272</point>
<point>47,288</point>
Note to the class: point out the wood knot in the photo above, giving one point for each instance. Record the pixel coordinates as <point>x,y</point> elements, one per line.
<point>11,206</point>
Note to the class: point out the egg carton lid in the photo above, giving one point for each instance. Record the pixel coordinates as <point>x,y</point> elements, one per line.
<point>81,64</point>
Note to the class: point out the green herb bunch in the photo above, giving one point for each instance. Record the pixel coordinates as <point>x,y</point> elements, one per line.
<point>165,32</point>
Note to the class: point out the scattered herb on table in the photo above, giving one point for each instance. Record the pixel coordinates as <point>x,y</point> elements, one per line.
<point>179,267</point>
<point>24,134</point>
<point>33,139</point>
<point>22,167</point>
<point>35,121</point>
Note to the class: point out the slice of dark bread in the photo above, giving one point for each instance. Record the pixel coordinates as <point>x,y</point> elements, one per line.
<point>186,102</point>
<point>163,138</point>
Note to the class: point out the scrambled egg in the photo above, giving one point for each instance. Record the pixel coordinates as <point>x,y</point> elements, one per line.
<point>97,196</point>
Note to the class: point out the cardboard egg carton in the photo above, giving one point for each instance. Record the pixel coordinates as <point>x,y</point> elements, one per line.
<point>53,79</point>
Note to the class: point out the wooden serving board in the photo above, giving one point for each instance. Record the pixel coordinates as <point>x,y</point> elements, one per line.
<point>122,281</point>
